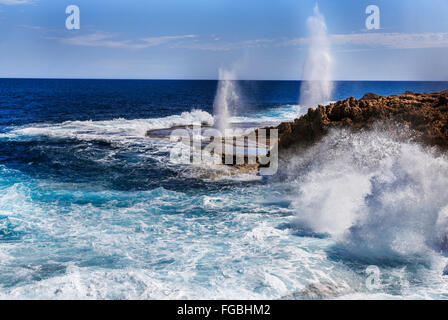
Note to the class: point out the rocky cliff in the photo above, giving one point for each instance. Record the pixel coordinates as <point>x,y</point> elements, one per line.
<point>425,114</point>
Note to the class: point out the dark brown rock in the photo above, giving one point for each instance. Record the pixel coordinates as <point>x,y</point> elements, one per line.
<point>370,96</point>
<point>425,114</point>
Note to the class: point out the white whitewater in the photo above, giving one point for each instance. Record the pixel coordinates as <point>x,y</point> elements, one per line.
<point>377,196</point>
<point>317,85</point>
<point>226,99</point>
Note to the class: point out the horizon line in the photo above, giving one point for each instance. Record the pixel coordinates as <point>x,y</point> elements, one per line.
<point>208,79</point>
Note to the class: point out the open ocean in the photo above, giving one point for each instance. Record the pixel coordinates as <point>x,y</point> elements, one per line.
<point>90,208</point>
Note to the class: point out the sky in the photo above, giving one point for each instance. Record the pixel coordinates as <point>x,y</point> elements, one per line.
<point>258,39</point>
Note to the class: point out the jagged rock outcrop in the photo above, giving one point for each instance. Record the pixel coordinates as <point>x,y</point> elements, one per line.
<point>426,114</point>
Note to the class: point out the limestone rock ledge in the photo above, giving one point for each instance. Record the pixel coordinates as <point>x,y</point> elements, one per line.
<point>426,114</point>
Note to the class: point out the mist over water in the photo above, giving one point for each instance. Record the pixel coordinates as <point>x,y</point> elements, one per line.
<point>317,86</point>
<point>226,99</point>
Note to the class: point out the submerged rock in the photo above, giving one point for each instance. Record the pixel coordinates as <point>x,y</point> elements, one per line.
<point>426,114</point>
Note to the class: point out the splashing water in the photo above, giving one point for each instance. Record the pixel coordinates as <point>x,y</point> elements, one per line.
<point>226,99</point>
<point>95,209</point>
<point>378,197</point>
<point>317,86</point>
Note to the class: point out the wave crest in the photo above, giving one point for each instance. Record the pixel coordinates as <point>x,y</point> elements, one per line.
<point>111,130</point>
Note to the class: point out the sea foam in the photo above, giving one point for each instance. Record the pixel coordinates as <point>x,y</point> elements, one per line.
<point>378,197</point>
<point>115,130</point>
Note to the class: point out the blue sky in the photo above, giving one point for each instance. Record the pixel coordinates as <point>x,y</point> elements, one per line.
<point>192,39</point>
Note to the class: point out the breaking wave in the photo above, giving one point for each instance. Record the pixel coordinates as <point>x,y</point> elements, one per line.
<point>124,130</point>
<point>378,196</point>
<point>111,130</point>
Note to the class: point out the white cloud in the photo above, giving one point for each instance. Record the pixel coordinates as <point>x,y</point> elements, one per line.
<point>393,40</point>
<point>105,39</point>
<point>382,40</point>
<point>15,2</point>
<point>30,27</point>
<point>217,45</point>
<point>341,42</point>
<point>188,41</point>
<point>157,41</point>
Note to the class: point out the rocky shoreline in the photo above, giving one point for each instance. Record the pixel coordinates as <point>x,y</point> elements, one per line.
<point>423,117</point>
<point>425,114</point>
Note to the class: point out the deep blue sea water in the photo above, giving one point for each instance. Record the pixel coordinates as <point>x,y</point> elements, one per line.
<point>92,208</point>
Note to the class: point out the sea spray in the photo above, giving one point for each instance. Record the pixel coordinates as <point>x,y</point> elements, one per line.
<point>317,87</point>
<point>226,99</point>
<point>377,196</point>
